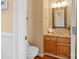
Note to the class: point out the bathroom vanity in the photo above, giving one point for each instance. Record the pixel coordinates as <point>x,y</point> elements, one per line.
<point>57,45</point>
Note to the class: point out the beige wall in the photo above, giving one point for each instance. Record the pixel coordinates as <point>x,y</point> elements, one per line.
<point>6,18</point>
<point>30,25</point>
<point>68,13</point>
<point>38,24</point>
<point>46,15</point>
<point>35,23</point>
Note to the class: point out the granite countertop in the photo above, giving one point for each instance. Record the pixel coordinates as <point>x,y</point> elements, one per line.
<point>59,32</point>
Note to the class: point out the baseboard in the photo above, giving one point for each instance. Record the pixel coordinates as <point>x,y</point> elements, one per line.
<point>54,56</point>
<point>41,54</point>
<point>51,55</point>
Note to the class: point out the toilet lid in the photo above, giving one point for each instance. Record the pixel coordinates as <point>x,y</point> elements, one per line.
<point>32,50</point>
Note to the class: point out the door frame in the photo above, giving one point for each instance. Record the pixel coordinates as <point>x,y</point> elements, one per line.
<point>19,32</point>
<point>73,26</point>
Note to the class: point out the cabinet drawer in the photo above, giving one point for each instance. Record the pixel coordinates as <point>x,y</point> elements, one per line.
<point>64,40</point>
<point>50,38</point>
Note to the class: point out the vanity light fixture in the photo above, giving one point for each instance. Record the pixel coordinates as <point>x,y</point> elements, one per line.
<point>59,4</point>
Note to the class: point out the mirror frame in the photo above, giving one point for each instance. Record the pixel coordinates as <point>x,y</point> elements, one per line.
<point>65,19</point>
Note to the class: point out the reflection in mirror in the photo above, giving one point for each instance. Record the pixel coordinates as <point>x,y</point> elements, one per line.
<point>59,18</point>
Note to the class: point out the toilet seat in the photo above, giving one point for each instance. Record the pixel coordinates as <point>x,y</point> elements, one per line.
<point>32,50</point>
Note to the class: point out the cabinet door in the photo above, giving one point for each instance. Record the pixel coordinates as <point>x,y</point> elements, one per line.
<point>50,46</point>
<point>63,50</point>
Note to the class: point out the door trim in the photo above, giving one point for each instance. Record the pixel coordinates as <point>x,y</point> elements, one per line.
<point>19,17</point>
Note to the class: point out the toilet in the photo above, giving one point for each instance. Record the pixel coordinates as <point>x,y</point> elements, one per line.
<point>32,51</point>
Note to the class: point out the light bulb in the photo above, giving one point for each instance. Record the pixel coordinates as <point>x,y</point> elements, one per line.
<point>58,5</point>
<point>64,3</point>
<point>54,5</point>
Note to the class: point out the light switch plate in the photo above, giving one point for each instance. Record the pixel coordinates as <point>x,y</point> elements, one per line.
<point>3,4</point>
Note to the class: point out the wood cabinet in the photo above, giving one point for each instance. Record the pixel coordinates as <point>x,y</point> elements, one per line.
<point>50,45</point>
<point>59,46</point>
<point>63,50</point>
<point>63,47</point>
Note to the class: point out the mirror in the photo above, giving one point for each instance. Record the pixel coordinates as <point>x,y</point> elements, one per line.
<point>59,18</point>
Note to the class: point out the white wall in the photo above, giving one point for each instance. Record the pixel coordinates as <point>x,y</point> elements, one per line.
<point>7,46</point>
